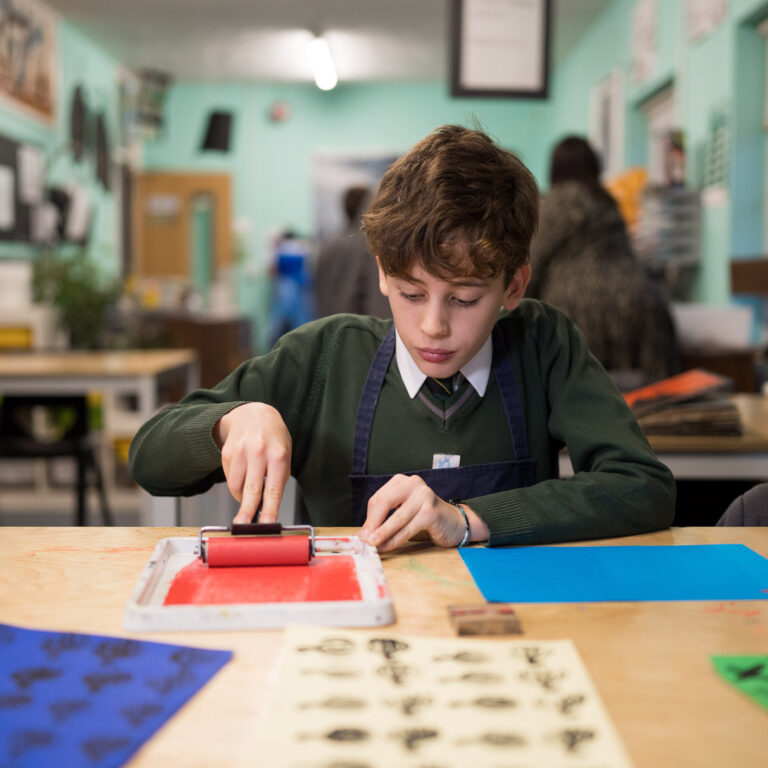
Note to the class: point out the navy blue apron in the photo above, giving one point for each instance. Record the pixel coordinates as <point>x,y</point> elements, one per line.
<point>451,482</point>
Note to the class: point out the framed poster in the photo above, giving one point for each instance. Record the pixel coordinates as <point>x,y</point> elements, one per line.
<point>27,56</point>
<point>500,48</point>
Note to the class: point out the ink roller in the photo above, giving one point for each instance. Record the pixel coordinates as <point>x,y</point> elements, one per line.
<point>255,544</point>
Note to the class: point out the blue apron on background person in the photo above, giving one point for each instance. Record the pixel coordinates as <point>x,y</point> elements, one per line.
<point>451,482</point>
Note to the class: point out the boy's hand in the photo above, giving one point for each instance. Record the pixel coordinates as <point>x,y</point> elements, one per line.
<point>417,508</point>
<point>256,457</point>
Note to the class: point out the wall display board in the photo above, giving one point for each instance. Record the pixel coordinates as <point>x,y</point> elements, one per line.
<point>22,171</point>
<point>28,55</point>
<point>500,48</point>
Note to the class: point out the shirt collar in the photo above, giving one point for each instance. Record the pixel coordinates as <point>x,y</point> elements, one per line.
<point>477,371</point>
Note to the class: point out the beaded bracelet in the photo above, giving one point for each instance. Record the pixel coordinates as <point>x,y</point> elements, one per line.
<point>458,506</point>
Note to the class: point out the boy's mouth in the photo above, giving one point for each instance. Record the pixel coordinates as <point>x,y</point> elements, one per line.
<point>435,355</point>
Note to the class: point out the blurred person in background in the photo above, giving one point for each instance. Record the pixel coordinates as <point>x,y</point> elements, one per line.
<point>346,276</point>
<point>583,263</point>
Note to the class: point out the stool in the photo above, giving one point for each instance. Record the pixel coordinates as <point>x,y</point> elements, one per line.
<point>20,440</point>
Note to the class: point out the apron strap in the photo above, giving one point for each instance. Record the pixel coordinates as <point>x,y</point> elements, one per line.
<point>510,395</point>
<point>368,401</point>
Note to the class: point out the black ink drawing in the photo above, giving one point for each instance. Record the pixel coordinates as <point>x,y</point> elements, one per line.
<point>396,672</point>
<point>64,709</point>
<point>532,654</point>
<point>188,657</point>
<point>99,748</point>
<point>465,657</point>
<point>22,742</point>
<point>58,644</point>
<point>335,702</point>
<point>345,764</point>
<point>332,646</point>
<point>412,738</point>
<point>139,713</point>
<point>14,700</point>
<point>495,739</point>
<point>572,739</point>
<point>481,678</point>
<point>387,646</point>
<point>487,702</point>
<point>335,673</point>
<point>348,735</point>
<point>409,705</point>
<point>544,677</point>
<point>26,677</point>
<point>111,650</point>
<point>755,672</point>
<point>568,704</point>
<point>169,683</point>
<point>98,681</point>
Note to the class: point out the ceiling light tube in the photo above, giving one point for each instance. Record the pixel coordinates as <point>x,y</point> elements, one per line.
<point>323,67</point>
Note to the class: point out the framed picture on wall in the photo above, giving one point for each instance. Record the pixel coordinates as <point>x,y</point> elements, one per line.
<point>500,48</point>
<point>28,56</point>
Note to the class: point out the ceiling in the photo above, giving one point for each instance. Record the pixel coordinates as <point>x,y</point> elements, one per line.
<point>266,39</point>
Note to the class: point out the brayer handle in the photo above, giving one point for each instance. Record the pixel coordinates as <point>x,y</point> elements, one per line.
<point>256,529</point>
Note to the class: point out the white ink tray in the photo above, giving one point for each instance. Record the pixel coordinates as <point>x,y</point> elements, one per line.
<point>146,610</point>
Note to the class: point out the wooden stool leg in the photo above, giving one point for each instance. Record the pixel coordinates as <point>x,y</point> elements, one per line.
<point>82,459</point>
<point>106,515</point>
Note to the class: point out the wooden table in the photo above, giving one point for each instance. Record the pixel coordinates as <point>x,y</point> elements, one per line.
<point>137,373</point>
<point>649,661</point>
<point>716,457</point>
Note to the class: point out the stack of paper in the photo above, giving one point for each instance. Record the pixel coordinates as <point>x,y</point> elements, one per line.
<point>693,403</point>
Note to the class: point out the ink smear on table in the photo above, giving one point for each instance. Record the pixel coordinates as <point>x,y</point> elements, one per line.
<point>323,579</point>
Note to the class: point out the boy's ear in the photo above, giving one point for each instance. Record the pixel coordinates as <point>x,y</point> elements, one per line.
<point>383,287</point>
<point>516,288</point>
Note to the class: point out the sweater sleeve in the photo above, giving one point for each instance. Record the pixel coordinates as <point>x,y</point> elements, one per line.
<point>174,453</point>
<point>619,487</point>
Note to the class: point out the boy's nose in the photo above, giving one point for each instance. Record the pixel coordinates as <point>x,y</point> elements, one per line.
<point>434,322</point>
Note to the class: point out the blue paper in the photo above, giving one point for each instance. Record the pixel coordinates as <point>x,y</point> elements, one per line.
<point>88,700</point>
<point>587,574</point>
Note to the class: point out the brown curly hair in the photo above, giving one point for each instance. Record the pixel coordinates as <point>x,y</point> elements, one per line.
<point>456,204</point>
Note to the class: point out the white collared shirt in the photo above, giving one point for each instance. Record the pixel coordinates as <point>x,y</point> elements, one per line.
<point>477,371</point>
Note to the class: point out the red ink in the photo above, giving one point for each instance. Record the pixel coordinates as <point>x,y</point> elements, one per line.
<point>330,577</point>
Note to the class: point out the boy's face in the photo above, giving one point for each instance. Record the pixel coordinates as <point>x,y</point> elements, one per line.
<point>443,323</point>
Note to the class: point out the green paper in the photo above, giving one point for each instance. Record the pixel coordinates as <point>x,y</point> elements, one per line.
<point>747,673</point>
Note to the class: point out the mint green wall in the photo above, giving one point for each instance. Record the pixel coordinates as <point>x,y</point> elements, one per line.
<point>80,61</point>
<point>84,63</point>
<point>270,163</point>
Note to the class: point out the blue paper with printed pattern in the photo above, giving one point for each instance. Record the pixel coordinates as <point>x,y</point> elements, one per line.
<point>71,699</point>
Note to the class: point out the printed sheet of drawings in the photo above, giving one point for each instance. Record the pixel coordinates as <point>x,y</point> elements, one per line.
<point>345,699</point>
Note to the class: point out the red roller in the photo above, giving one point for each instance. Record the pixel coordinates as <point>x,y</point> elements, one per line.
<point>264,550</point>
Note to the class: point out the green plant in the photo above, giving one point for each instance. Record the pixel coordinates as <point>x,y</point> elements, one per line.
<point>76,287</point>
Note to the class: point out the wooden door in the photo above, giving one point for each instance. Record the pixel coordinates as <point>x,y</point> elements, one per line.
<point>163,210</point>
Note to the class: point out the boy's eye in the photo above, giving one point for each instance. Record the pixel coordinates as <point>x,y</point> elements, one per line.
<point>465,302</point>
<point>410,296</point>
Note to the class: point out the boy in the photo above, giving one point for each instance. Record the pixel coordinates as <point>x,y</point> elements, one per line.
<point>452,417</point>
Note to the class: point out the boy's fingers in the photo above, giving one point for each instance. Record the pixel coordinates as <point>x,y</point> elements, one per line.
<point>400,519</point>
<point>252,493</point>
<point>235,474</point>
<point>274,485</point>
<point>379,506</point>
<point>396,532</point>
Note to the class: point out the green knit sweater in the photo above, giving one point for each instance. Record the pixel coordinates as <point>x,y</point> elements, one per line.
<point>314,377</point>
